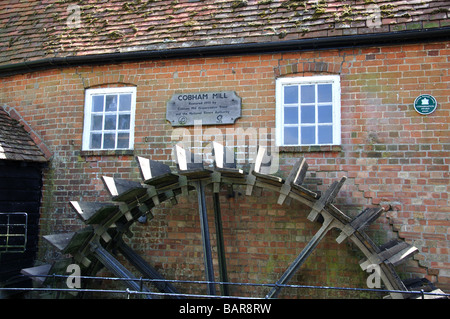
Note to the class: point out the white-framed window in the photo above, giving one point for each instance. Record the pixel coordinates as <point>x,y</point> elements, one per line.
<point>109,119</point>
<point>308,110</point>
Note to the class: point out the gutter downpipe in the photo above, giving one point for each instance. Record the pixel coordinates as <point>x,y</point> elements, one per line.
<point>328,43</point>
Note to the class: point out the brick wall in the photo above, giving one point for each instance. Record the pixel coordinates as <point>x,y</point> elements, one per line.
<point>389,153</point>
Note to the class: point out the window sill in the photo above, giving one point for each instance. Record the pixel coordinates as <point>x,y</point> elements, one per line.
<point>310,149</point>
<point>107,153</point>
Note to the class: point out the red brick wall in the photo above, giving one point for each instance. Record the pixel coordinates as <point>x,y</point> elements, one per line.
<point>389,153</point>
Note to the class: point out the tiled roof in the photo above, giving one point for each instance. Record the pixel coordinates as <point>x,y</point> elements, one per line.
<point>15,143</point>
<point>33,30</point>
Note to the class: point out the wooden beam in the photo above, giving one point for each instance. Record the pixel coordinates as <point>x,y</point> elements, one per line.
<point>35,272</point>
<point>395,252</point>
<point>259,172</point>
<point>326,199</point>
<point>69,243</point>
<point>190,165</point>
<point>360,222</point>
<point>156,173</point>
<point>225,166</point>
<point>123,190</point>
<point>93,212</point>
<point>295,177</point>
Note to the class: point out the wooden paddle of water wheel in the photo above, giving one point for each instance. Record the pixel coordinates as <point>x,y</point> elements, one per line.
<point>92,247</point>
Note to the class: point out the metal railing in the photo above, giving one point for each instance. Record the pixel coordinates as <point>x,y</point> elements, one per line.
<point>419,294</point>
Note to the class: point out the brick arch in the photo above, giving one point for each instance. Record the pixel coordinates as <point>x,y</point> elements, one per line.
<point>308,67</point>
<point>105,81</point>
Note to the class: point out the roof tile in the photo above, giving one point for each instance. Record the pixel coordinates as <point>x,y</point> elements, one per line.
<point>15,143</point>
<point>33,30</point>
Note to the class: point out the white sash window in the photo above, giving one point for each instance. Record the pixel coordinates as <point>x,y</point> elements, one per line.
<point>109,119</point>
<point>308,111</point>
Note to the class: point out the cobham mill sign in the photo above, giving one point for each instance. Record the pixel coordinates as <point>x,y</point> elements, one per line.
<point>212,108</point>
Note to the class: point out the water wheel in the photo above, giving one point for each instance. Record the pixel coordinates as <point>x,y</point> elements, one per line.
<point>93,246</point>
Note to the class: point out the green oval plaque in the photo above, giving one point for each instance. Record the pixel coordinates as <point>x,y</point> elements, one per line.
<point>425,104</point>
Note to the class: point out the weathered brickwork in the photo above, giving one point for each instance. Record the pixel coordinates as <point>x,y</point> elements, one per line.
<point>390,154</point>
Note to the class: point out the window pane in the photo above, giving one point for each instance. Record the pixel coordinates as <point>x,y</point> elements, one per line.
<point>308,114</point>
<point>124,122</point>
<point>97,122</point>
<point>291,115</point>
<point>123,140</point>
<point>308,93</point>
<point>308,134</point>
<point>111,103</point>
<point>325,114</point>
<point>326,134</point>
<point>125,102</point>
<point>290,136</point>
<point>109,141</point>
<point>97,103</point>
<point>325,93</point>
<point>110,122</point>
<point>96,141</point>
<point>291,94</point>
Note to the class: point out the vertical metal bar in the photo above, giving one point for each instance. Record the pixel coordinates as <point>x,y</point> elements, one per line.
<point>301,258</point>
<point>223,275</point>
<point>207,254</point>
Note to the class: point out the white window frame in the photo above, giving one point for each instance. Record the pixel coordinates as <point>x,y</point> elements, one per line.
<point>88,116</point>
<point>334,80</point>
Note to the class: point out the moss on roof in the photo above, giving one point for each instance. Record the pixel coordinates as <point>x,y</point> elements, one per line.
<point>32,30</point>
